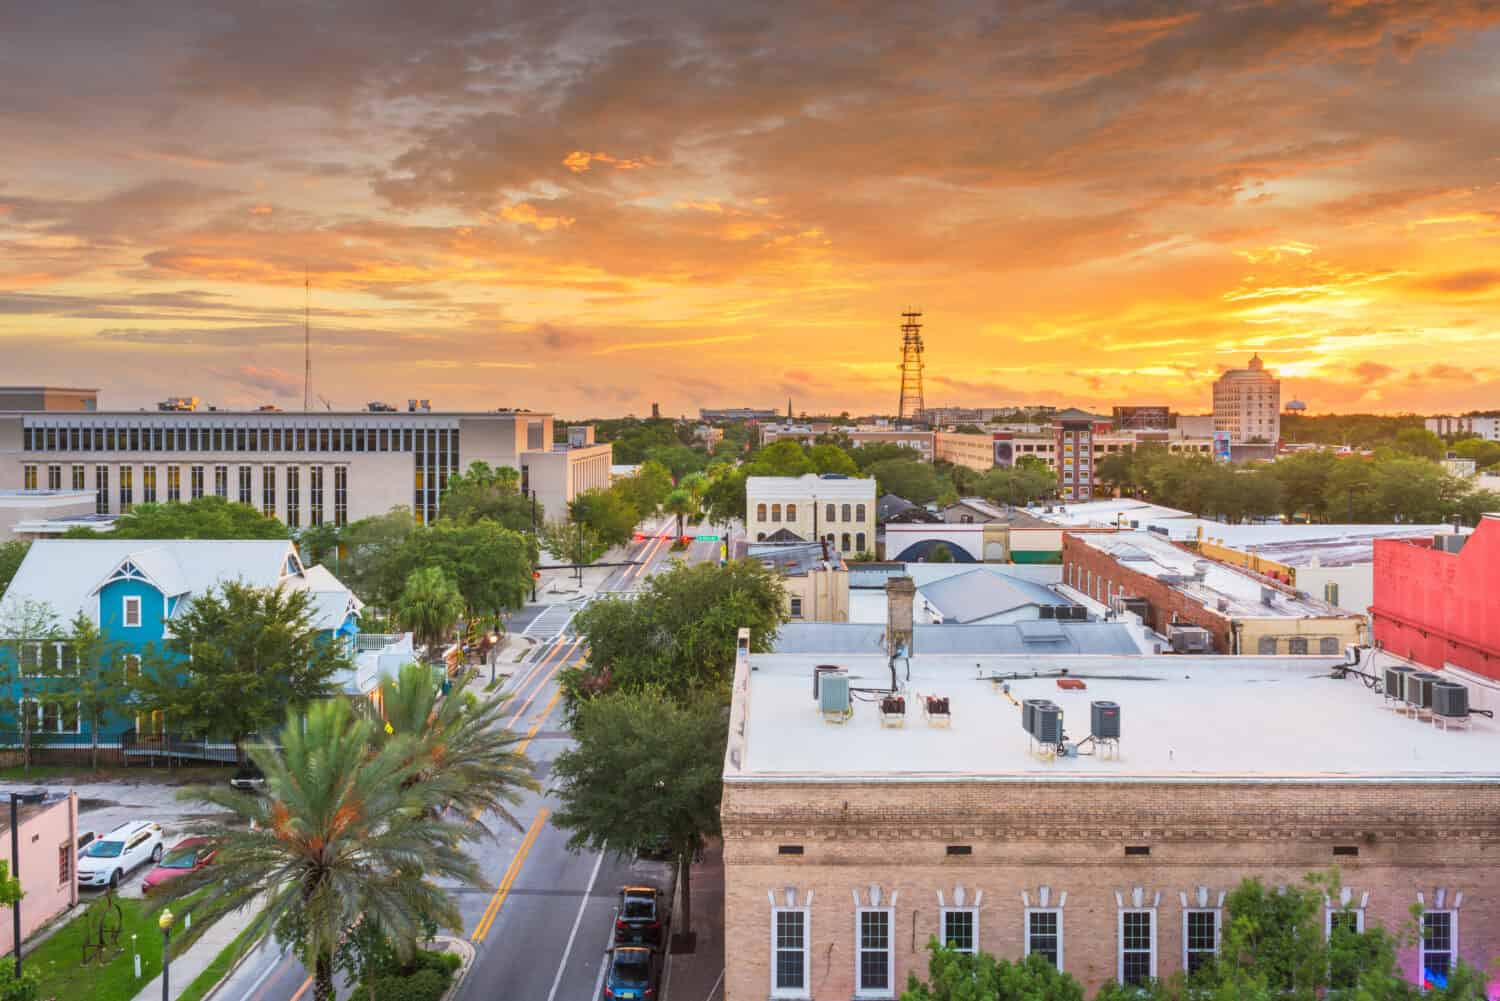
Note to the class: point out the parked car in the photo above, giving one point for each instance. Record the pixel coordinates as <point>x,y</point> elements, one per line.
<point>639,919</point>
<point>632,974</point>
<point>248,777</point>
<point>112,857</point>
<point>188,855</point>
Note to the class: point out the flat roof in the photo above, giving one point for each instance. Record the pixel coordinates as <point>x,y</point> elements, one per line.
<point>66,415</point>
<point>1183,719</point>
<point>1218,586</point>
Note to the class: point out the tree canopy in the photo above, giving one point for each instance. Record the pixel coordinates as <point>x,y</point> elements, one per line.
<point>208,517</point>
<point>11,555</point>
<point>238,659</point>
<point>606,512</point>
<point>485,491</point>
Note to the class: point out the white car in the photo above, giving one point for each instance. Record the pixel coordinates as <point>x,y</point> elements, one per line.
<point>109,858</point>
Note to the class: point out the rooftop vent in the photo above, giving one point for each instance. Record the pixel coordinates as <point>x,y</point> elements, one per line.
<point>1190,639</point>
<point>819,673</point>
<point>833,697</point>
<point>1268,596</point>
<point>1223,604</point>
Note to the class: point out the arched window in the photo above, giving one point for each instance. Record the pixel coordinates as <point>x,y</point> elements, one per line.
<point>845,546</point>
<point>846,512</point>
<point>791,512</point>
<point>760,512</point>
<point>859,542</point>
<point>829,514</point>
<point>775,512</point>
<point>859,512</point>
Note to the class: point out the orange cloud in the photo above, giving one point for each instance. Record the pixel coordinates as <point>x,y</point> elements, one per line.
<point>579,162</point>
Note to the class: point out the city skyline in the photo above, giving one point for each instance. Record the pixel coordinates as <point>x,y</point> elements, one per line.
<point>585,211</point>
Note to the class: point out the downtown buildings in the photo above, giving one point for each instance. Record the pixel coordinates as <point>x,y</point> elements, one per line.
<point>838,510</point>
<point>1247,404</point>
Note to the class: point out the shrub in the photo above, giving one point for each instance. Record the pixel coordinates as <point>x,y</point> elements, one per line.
<point>430,975</point>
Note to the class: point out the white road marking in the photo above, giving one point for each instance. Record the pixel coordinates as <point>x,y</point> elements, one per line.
<point>577,920</point>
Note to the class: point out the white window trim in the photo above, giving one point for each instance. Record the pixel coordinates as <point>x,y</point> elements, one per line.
<point>1451,951</point>
<point>1120,940</point>
<point>1330,911</point>
<point>890,953</point>
<point>804,990</point>
<point>1026,932</point>
<point>943,925</point>
<point>1218,931</point>
<point>131,603</point>
<point>795,605</point>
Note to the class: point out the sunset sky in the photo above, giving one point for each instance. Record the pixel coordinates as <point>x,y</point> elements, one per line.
<point>589,207</point>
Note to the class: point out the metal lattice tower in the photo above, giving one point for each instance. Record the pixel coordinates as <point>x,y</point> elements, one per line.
<point>911,367</point>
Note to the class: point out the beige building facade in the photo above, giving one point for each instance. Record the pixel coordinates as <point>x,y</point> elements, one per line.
<point>839,510</point>
<point>304,468</point>
<point>976,451</point>
<point>1247,404</point>
<point>852,840</point>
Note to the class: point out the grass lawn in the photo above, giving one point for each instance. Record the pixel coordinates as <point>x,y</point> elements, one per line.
<point>59,960</point>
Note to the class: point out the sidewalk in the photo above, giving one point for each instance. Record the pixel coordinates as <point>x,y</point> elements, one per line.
<point>699,976</point>
<point>186,967</point>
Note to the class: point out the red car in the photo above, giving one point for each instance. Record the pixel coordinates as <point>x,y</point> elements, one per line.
<point>188,855</point>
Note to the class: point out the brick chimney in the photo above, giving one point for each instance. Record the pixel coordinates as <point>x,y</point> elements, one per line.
<point>900,601</point>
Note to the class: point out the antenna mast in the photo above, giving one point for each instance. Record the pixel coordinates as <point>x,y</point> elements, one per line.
<point>911,406</point>
<point>306,341</point>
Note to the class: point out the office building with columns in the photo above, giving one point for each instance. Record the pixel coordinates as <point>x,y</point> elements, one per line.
<point>304,468</point>
<point>1247,404</point>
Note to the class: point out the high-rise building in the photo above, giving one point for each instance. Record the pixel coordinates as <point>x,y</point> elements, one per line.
<point>1073,434</point>
<point>1247,404</point>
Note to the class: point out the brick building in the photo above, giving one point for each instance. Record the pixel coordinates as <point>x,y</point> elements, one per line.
<point>1243,613</point>
<point>850,842</point>
<point>1073,443</point>
<point>1440,607</point>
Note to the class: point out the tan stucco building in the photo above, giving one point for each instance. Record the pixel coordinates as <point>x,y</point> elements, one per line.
<point>850,841</point>
<point>305,468</point>
<point>814,576</point>
<point>839,510</point>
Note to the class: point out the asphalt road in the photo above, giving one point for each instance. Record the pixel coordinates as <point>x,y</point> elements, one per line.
<point>541,928</point>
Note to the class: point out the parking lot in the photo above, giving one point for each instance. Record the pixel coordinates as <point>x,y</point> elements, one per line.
<point>103,806</point>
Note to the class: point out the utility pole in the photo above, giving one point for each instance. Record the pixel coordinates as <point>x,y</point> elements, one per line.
<point>534,541</point>
<point>306,341</point>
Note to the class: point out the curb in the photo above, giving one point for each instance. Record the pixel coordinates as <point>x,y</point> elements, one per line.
<point>234,967</point>
<point>466,954</point>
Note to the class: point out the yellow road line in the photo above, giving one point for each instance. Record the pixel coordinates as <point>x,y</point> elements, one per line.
<point>521,748</point>
<point>511,723</point>
<point>503,890</point>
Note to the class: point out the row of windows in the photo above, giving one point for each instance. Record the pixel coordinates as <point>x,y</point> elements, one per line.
<point>1044,935</point>
<point>197,487</point>
<point>831,512</point>
<point>225,439</point>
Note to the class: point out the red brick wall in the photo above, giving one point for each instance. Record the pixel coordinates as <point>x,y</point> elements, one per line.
<point>1435,607</point>
<point>1080,558</point>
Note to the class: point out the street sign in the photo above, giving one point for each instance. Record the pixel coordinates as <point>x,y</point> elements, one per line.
<point>707,538</point>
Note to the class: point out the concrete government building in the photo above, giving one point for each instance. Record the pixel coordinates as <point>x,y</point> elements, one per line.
<point>856,830</point>
<point>304,468</point>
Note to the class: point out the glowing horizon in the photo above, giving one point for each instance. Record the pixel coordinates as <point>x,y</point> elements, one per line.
<point>591,209</point>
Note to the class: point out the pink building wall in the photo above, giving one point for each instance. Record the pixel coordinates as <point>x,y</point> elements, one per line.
<point>46,831</point>
<point>1439,608</point>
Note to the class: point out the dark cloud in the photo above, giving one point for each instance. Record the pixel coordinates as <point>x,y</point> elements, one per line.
<point>1463,282</point>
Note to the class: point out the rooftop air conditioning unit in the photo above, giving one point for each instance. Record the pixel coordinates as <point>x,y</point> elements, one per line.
<point>1418,693</point>
<point>833,695</point>
<point>1049,723</point>
<point>1104,719</point>
<point>1395,681</point>
<point>1190,639</point>
<point>1450,700</point>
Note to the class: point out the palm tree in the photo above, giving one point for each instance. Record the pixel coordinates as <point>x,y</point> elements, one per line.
<point>696,484</point>
<point>339,836</point>
<point>459,746</point>
<point>429,606</point>
<point>680,503</point>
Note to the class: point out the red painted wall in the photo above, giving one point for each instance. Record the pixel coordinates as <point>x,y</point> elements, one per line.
<point>1435,607</point>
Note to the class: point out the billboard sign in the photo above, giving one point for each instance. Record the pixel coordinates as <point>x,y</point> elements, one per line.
<point>1005,451</point>
<point>1221,446</point>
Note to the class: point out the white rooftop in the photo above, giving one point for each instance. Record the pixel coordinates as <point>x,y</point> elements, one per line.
<point>811,484</point>
<point>1240,592</point>
<point>1183,719</point>
<point>1106,513</point>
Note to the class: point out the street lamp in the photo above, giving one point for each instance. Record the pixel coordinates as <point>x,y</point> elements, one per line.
<point>494,638</point>
<point>16,799</point>
<point>164,922</point>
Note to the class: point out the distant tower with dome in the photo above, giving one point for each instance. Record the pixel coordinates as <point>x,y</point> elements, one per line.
<point>1247,404</point>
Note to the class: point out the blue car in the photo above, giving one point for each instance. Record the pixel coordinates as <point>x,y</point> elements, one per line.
<point>632,974</point>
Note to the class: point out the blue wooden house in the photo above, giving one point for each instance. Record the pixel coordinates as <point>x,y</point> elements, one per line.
<point>132,590</point>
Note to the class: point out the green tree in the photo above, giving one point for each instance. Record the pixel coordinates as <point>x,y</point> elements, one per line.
<point>340,835</point>
<point>724,501</point>
<point>320,544</point>
<point>576,543</point>
<point>606,512</point>
<point>832,459</point>
<point>1116,472</point>
<point>1419,442</point>
<point>679,460</point>
<point>1476,504</point>
<point>1485,454</point>
<point>979,976</point>
<point>238,659</point>
<point>781,458</point>
<point>1018,486</point>
<point>679,503</point>
<point>940,554</point>
<point>696,484</point>
<point>29,632</point>
<point>100,684</point>
<point>11,555</point>
<point>673,755</point>
<point>208,517</point>
<point>1304,480</point>
<point>868,455</point>
<point>911,479</point>
<point>1414,490</point>
<point>490,565</point>
<point>429,607</point>
<point>645,490</point>
<point>457,745</point>
<point>679,632</point>
<point>372,565</point>
<point>485,491</point>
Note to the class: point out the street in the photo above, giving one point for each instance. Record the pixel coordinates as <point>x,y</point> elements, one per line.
<point>541,928</point>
